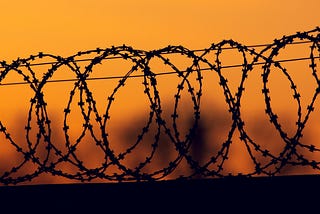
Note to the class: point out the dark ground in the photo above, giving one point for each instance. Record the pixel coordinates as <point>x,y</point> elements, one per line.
<point>269,194</point>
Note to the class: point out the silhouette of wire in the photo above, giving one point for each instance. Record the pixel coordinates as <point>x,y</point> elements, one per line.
<point>198,50</point>
<point>39,129</point>
<point>156,74</point>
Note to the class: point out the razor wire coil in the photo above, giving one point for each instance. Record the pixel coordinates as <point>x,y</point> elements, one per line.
<point>141,67</point>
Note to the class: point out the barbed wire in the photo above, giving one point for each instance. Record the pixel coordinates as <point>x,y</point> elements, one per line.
<point>156,74</point>
<point>208,59</point>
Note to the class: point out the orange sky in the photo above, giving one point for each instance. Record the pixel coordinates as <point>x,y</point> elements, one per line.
<point>64,27</point>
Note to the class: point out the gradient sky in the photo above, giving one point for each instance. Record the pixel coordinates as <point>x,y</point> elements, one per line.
<point>64,27</point>
<point>67,26</point>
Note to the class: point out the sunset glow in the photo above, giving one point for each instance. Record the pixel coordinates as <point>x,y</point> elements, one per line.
<point>66,27</point>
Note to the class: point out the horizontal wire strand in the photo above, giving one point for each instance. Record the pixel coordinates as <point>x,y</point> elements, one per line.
<point>158,74</point>
<point>196,50</point>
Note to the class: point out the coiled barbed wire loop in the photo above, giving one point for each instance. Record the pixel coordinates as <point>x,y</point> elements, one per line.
<point>38,129</point>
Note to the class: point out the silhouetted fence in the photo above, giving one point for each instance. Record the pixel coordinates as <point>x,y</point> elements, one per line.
<point>206,60</point>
